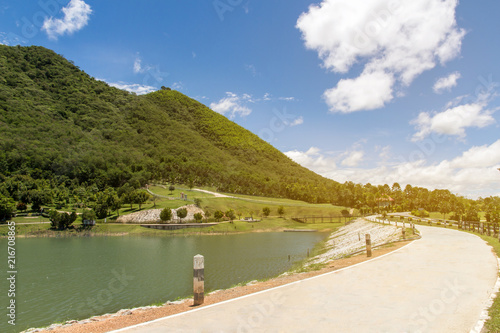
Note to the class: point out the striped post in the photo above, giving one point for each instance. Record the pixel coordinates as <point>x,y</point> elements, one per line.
<point>199,279</point>
<point>368,245</point>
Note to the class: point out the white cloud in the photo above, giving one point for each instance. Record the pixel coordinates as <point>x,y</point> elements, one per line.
<point>139,89</point>
<point>76,16</point>
<point>269,97</point>
<point>177,85</point>
<point>288,99</point>
<point>367,92</point>
<point>474,173</point>
<point>11,39</point>
<point>397,41</point>
<point>138,66</point>
<point>453,121</point>
<point>312,159</point>
<point>446,83</point>
<point>297,121</point>
<point>354,158</point>
<point>233,105</point>
<point>385,152</point>
<point>477,157</point>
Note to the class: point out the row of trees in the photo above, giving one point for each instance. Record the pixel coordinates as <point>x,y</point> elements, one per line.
<point>166,215</point>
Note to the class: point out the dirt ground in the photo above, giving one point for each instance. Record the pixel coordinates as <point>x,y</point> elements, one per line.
<point>126,318</point>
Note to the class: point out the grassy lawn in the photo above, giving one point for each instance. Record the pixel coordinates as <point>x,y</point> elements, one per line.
<point>30,219</point>
<point>160,190</point>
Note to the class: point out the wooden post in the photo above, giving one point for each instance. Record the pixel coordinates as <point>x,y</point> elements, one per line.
<point>199,279</point>
<point>404,232</point>
<point>368,245</point>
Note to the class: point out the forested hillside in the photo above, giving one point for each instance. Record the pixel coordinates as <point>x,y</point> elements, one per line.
<point>59,124</point>
<point>64,137</point>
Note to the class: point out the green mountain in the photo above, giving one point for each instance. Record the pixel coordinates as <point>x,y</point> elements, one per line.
<point>60,125</point>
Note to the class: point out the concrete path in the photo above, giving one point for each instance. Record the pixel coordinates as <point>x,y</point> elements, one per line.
<point>439,283</point>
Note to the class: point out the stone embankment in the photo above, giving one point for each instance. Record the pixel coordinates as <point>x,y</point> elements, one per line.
<point>153,215</point>
<point>351,238</point>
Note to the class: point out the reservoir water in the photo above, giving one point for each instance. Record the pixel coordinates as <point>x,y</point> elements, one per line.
<point>59,279</point>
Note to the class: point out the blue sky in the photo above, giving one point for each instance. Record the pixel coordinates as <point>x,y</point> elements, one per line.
<point>377,91</point>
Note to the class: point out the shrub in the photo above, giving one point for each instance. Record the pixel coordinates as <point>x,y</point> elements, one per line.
<point>181,213</point>
<point>230,215</point>
<point>166,215</point>
<point>197,202</point>
<point>266,211</point>
<point>198,217</point>
<point>218,215</point>
<point>420,213</point>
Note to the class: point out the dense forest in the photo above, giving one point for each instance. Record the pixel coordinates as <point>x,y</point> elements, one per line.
<point>69,139</point>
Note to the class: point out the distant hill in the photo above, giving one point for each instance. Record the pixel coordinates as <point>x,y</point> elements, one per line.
<point>58,123</point>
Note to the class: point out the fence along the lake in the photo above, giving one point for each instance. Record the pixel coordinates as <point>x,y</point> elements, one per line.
<point>483,228</point>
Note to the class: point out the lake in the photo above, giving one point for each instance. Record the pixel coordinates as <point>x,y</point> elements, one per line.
<point>59,279</point>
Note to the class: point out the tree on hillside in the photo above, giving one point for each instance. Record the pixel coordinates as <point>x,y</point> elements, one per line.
<point>128,197</point>
<point>266,211</point>
<point>281,211</point>
<point>181,213</point>
<point>141,198</point>
<point>190,183</point>
<point>345,213</point>
<point>197,202</point>
<point>101,211</point>
<point>230,215</point>
<point>218,215</point>
<point>166,215</point>
<point>444,208</point>
<point>7,206</point>
<point>39,198</point>
<point>116,205</point>
<point>171,188</point>
<point>198,217</point>
<point>61,221</point>
<point>207,213</point>
<point>21,206</point>
<point>88,214</point>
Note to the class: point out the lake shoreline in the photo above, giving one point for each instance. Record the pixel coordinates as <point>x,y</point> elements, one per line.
<point>129,317</point>
<point>23,231</point>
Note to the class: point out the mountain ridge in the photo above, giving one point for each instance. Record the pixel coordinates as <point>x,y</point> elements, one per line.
<point>57,121</point>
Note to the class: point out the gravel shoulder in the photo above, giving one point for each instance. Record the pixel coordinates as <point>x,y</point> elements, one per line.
<point>351,238</point>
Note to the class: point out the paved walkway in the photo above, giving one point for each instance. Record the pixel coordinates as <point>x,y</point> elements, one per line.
<point>439,283</point>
